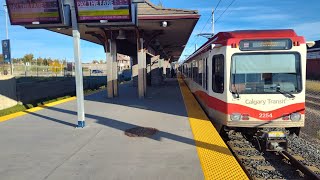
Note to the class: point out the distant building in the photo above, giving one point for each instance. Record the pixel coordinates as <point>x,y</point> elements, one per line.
<point>124,62</point>
<point>313,61</point>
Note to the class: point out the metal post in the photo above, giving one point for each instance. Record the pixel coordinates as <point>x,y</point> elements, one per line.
<point>61,65</point>
<point>37,67</point>
<point>6,15</point>
<point>78,68</point>
<point>7,32</point>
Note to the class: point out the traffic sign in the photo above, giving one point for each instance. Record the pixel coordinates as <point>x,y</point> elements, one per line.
<point>6,50</point>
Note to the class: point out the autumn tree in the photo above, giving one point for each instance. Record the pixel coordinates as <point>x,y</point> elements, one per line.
<point>28,58</point>
<point>56,66</point>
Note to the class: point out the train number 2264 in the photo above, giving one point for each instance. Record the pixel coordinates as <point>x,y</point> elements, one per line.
<point>265,115</point>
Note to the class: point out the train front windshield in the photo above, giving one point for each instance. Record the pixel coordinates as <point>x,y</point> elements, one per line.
<point>266,73</point>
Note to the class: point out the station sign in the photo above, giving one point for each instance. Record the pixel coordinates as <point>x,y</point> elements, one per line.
<point>6,50</point>
<point>104,11</point>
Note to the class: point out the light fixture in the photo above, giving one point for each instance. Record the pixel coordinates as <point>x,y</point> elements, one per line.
<point>310,43</point>
<point>164,24</point>
<point>121,35</point>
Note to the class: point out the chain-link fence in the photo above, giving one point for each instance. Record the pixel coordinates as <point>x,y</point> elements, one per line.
<point>60,70</point>
<point>312,124</point>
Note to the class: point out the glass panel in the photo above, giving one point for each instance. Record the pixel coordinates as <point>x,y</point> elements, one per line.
<point>272,63</point>
<point>265,73</point>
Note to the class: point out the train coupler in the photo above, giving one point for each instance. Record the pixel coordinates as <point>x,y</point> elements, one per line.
<point>275,141</point>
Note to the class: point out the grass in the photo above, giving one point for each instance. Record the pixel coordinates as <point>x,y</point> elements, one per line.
<point>313,86</point>
<point>23,107</point>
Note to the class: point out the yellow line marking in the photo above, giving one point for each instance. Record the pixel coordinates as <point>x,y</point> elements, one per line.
<point>18,114</point>
<point>22,113</point>
<point>216,160</point>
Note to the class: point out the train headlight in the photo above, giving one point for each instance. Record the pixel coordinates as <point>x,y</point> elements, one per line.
<point>295,117</point>
<point>235,117</point>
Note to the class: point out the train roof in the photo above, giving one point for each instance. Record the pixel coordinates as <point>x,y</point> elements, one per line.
<point>224,38</point>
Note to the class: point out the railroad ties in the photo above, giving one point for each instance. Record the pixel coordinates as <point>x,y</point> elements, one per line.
<point>269,165</point>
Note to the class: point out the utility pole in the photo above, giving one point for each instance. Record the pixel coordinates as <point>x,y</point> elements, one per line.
<point>212,22</point>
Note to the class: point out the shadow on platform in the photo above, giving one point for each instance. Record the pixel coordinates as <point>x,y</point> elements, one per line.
<point>166,98</point>
<point>123,126</point>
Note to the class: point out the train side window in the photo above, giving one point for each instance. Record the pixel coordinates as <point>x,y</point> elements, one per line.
<point>200,71</point>
<point>195,71</point>
<point>218,74</point>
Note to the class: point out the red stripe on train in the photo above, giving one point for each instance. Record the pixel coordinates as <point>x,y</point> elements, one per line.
<point>228,108</point>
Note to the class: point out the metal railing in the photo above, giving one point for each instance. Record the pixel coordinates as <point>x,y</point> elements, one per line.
<point>22,70</point>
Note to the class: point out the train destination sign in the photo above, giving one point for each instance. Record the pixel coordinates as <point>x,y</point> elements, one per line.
<point>270,44</point>
<point>25,12</point>
<point>103,11</point>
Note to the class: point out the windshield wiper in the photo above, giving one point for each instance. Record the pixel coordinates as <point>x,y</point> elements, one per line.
<point>236,93</point>
<point>286,93</point>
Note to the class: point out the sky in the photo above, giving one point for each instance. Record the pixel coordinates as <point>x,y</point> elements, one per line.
<point>301,15</point>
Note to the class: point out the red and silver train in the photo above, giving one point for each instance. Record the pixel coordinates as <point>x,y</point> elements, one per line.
<point>251,79</point>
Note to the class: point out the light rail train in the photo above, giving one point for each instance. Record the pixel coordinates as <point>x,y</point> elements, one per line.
<point>251,80</point>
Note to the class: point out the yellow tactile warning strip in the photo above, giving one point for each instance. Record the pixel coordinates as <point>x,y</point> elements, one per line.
<point>216,160</point>
<point>18,114</point>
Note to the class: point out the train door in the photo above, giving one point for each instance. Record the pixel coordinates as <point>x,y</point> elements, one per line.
<point>205,73</point>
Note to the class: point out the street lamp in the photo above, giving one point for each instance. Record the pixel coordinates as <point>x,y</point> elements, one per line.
<point>6,16</point>
<point>7,32</point>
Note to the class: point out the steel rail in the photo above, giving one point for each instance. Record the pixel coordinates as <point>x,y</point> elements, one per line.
<point>304,169</point>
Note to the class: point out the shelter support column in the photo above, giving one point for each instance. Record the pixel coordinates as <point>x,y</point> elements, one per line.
<point>142,70</point>
<point>156,71</point>
<point>112,69</point>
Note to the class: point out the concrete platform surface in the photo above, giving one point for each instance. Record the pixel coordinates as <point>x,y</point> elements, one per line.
<point>46,145</point>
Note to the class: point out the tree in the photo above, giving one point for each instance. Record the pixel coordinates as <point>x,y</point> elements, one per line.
<point>28,58</point>
<point>95,62</point>
<point>1,58</point>
<point>56,66</point>
<point>39,61</point>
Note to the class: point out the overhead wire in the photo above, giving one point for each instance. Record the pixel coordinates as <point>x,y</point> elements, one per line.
<point>224,11</point>
<point>194,42</point>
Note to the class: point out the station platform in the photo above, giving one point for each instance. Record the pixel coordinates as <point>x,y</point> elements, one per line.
<point>45,144</point>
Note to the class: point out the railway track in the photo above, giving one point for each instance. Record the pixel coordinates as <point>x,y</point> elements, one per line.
<point>269,165</point>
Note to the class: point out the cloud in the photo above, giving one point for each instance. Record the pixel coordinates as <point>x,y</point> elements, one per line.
<point>310,30</point>
<point>266,17</point>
